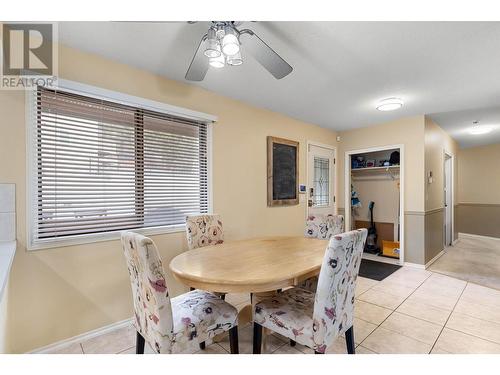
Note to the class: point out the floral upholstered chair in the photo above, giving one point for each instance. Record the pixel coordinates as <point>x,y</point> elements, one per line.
<point>171,325</point>
<point>204,230</point>
<point>322,227</point>
<point>317,319</point>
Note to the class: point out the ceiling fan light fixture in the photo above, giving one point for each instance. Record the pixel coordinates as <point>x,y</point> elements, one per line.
<point>217,62</point>
<point>213,46</point>
<point>230,43</point>
<point>389,104</point>
<point>235,59</point>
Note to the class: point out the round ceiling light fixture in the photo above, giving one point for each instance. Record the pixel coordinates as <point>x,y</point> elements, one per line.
<point>477,129</point>
<point>389,104</point>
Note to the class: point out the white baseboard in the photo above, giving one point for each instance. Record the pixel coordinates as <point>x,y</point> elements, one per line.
<point>476,236</point>
<point>454,242</point>
<point>82,337</point>
<point>414,265</point>
<point>440,254</point>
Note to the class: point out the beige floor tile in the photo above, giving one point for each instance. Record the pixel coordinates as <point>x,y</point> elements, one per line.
<point>370,313</point>
<point>110,343</point>
<point>394,288</point>
<point>362,329</point>
<point>460,343</point>
<point>384,341</point>
<point>482,295</point>
<point>75,348</point>
<point>412,327</point>
<point>245,341</point>
<point>485,312</point>
<point>130,350</point>
<point>363,284</point>
<point>439,351</point>
<point>445,281</point>
<point>417,308</point>
<point>437,300</point>
<point>362,350</point>
<point>213,349</point>
<point>476,327</point>
<point>389,301</point>
<point>287,349</point>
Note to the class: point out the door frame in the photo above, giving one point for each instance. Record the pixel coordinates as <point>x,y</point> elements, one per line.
<point>335,173</point>
<point>452,208</point>
<point>347,190</point>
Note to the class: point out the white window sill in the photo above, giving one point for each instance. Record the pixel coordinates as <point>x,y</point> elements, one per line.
<point>7,252</point>
<point>101,237</point>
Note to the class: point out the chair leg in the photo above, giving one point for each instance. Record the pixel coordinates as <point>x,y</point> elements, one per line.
<point>191,289</point>
<point>202,345</point>
<point>233,340</point>
<point>315,352</point>
<point>223,297</point>
<point>349,339</point>
<point>257,338</point>
<point>292,342</point>
<point>139,344</point>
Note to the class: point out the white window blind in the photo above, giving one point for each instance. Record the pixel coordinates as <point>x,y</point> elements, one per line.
<point>103,166</point>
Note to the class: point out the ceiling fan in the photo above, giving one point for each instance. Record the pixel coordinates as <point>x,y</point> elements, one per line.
<point>221,46</point>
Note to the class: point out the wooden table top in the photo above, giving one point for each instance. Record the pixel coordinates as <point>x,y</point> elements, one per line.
<point>252,265</point>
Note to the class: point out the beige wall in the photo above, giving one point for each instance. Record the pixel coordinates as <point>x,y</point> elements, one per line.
<point>479,174</point>
<point>479,191</point>
<point>3,320</point>
<point>437,142</point>
<point>62,292</point>
<point>410,133</point>
<point>384,192</point>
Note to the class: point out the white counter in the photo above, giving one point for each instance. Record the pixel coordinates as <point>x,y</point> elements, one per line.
<point>7,252</point>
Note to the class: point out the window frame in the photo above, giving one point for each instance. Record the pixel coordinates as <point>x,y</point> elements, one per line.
<point>31,162</point>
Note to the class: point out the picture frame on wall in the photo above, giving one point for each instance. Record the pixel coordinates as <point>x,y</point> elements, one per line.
<point>282,172</point>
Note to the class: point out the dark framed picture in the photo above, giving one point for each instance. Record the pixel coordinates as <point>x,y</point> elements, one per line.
<point>282,172</point>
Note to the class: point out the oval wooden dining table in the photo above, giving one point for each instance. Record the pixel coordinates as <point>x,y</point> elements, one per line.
<point>253,265</point>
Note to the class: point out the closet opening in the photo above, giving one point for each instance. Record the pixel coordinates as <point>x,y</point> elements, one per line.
<point>374,191</point>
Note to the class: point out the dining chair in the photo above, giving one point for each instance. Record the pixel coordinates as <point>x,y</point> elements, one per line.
<point>322,227</point>
<point>317,319</point>
<point>171,324</point>
<point>204,230</point>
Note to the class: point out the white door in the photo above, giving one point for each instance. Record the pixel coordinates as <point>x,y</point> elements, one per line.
<point>320,184</point>
<point>448,200</point>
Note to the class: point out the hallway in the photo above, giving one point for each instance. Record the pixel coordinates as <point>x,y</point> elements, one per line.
<point>476,260</point>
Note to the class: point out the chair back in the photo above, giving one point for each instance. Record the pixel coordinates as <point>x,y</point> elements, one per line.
<point>204,230</point>
<point>334,301</point>
<point>324,226</point>
<point>152,308</point>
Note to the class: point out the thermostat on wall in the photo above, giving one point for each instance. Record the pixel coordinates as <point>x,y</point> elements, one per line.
<point>302,189</point>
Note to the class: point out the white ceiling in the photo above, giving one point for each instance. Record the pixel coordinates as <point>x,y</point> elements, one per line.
<point>341,69</point>
<point>458,123</point>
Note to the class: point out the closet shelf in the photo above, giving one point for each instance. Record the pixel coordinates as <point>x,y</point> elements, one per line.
<point>375,169</point>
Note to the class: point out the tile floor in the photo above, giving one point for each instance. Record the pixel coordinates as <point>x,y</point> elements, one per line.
<point>411,311</point>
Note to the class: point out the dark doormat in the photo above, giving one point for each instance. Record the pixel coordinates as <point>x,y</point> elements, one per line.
<point>376,270</point>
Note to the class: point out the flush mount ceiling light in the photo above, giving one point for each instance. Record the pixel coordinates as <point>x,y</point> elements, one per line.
<point>222,45</point>
<point>477,129</point>
<point>390,104</point>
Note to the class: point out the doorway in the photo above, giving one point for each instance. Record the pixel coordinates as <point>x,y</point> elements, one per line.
<point>321,175</point>
<point>448,199</point>
<point>374,198</point>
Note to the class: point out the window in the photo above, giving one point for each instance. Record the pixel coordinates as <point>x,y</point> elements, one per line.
<point>321,182</point>
<point>105,167</point>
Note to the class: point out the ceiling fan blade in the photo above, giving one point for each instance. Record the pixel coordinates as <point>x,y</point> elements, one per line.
<point>199,65</point>
<point>264,54</point>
